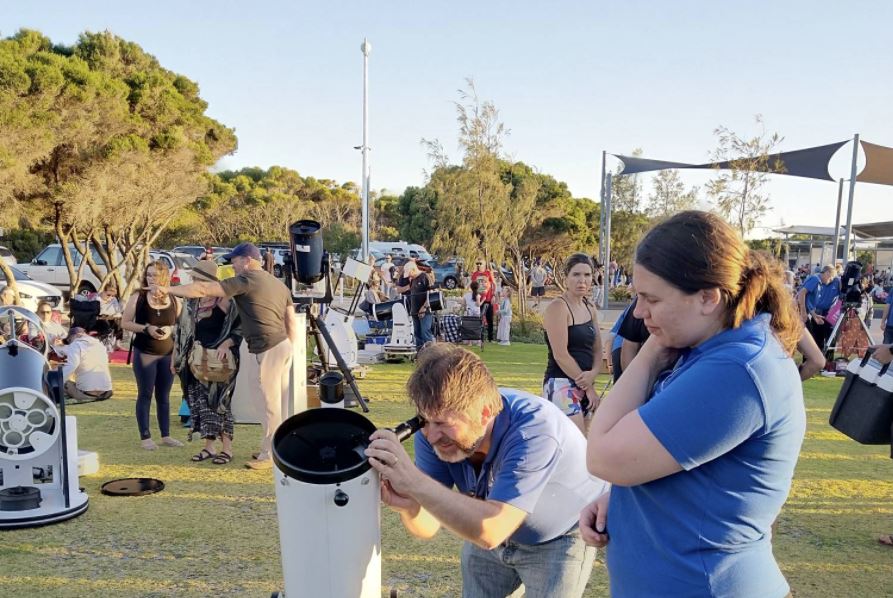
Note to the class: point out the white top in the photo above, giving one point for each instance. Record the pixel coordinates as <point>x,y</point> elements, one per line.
<point>110,308</point>
<point>538,276</point>
<point>53,330</point>
<point>88,361</point>
<point>472,306</point>
<point>385,272</point>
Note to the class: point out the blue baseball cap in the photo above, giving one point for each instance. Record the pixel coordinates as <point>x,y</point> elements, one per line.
<point>244,250</point>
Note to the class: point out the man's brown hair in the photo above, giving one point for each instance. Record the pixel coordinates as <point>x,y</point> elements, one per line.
<point>450,378</point>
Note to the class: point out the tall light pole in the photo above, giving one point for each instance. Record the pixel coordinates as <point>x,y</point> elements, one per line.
<point>366,48</point>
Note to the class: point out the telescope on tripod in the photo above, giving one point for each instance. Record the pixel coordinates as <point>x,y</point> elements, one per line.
<point>336,341</point>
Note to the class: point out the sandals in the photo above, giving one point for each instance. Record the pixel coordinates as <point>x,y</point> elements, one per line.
<point>203,455</point>
<point>886,540</point>
<point>222,458</point>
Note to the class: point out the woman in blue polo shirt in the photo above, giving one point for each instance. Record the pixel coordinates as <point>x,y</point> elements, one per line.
<point>701,435</point>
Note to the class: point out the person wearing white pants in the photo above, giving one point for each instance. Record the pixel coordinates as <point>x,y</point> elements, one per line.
<point>269,327</point>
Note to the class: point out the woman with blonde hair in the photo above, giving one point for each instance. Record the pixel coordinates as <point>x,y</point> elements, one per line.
<point>701,434</point>
<point>152,318</point>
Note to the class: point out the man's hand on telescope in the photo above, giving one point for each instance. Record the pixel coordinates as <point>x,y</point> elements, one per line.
<point>398,502</point>
<point>388,457</point>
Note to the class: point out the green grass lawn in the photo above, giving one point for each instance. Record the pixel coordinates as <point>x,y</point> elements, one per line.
<point>213,530</point>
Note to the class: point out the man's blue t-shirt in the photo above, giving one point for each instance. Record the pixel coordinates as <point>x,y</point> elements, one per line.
<point>820,297</point>
<point>617,343</point>
<point>536,462</point>
<point>731,414</point>
<point>890,309</point>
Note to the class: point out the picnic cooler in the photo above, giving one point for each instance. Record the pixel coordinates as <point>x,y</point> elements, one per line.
<point>864,407</point>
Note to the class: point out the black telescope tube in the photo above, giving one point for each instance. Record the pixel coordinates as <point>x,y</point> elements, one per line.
<point>408,428</point>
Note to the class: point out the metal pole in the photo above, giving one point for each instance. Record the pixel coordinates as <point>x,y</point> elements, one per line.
<point>837,220</point>
<point>607,209</point>
<point>366,48</point>
<point>601,217</point>
<point>849,208</point>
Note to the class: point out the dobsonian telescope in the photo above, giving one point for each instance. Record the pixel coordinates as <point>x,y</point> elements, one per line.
<point>328,503</point>
<point>38,442</point>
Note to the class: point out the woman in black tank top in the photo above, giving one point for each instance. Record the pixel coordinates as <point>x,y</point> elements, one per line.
<point>574,343</point>
<point>152,321</point>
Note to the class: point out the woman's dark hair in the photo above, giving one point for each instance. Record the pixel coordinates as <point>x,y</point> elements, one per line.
<point>578,258</point>
<point>694,251</point>
<point>474,286</point>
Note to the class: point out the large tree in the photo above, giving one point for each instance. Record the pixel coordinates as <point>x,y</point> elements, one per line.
<point>102,142</point>
<point>484,204</point>
<point>737,191</point>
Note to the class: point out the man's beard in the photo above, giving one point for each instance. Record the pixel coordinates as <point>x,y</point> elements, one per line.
<point>464,452</point>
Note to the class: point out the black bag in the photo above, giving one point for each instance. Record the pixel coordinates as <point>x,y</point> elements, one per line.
<point>864,408</point>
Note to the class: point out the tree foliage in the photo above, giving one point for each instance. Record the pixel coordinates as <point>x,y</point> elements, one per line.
<point>736,191</point>
<point>669,195</point>
<point>102,142</point>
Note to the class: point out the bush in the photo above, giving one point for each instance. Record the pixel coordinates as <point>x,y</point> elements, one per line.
<point>528,330</point>
<point>620,293</point>
<point>25,243</point>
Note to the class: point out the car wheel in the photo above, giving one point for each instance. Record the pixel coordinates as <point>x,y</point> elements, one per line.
<point>277,271</point>
<point>450,283</point>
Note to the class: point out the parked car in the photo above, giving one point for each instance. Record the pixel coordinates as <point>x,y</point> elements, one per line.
<point>447,274</point>
<point>179,264</point>
<point>49,267</point>
<point>279,251</point>
<point>8,256</point>
<point>399,249</point>
<point>31,291</point>
<point>197,251</point>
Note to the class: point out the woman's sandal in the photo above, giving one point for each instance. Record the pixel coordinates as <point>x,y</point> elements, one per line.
<point>203,455</point>
<point>222,458</point>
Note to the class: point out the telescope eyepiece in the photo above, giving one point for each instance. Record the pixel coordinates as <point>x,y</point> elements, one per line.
<point>409,427</point>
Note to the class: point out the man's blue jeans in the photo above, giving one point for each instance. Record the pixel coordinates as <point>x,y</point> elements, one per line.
<point>559,568</point>
<point>422,328</point>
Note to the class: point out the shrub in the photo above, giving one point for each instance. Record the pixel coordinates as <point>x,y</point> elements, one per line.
<point>620,293</point>
<point>528,330</point>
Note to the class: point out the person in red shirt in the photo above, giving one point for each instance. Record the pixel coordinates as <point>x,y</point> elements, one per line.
<point>487,307</point>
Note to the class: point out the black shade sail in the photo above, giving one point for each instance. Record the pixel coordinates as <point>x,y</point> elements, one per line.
<point>811,163</point>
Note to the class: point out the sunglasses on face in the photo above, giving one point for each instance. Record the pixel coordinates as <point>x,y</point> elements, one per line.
<point>45,313</point>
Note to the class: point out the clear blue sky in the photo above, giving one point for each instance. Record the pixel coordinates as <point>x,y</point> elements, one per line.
<point>570,79</point>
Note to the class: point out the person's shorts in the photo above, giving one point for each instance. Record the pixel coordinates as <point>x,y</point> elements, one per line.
<point>538,292</point>
<point>565,394</point>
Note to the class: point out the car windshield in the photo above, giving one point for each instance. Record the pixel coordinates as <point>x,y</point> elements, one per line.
<point>185,261</point>
<point>16,273</point>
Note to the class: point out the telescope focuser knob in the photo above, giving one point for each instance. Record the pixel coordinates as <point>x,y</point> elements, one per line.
<point>341,498</point>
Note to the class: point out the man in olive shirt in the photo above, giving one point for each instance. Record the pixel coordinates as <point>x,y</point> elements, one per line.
<point>269,326</point>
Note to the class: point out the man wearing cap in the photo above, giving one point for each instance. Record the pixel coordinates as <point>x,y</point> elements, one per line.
<point>269,327</point>
<point>815,298</point>
<point>87,361</point>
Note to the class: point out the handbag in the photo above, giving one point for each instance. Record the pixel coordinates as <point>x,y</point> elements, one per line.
<point>206,367</point>
<point>834,312</point>
<point>864,407</point>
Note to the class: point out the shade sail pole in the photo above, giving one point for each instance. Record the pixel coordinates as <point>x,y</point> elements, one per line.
<point>849,209</point>
<point>837,220</point>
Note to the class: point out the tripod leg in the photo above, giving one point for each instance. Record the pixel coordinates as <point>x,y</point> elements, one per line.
<point>330,344</point>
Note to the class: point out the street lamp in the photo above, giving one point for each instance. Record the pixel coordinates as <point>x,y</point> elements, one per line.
<point>366,49</point>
